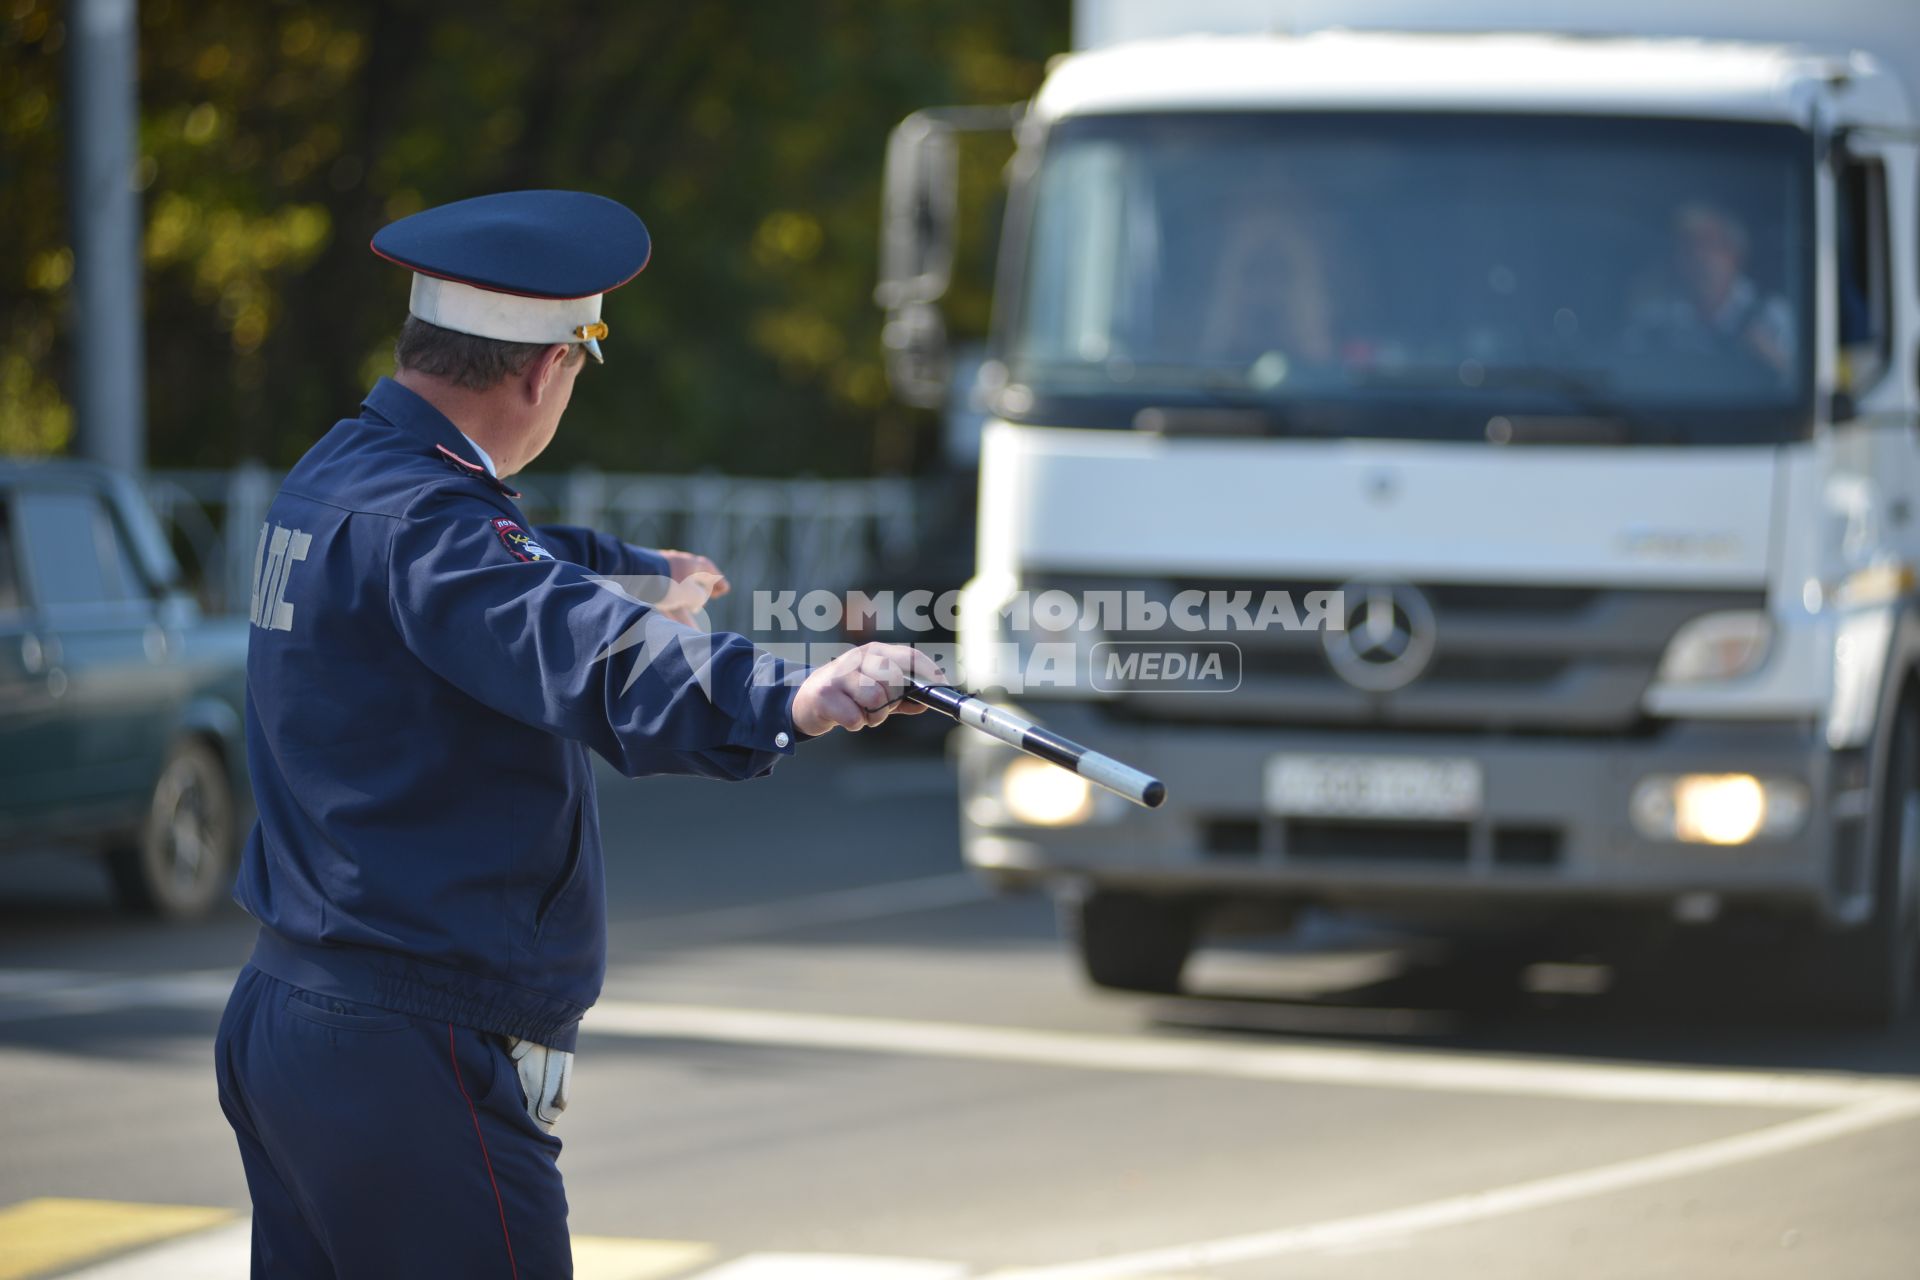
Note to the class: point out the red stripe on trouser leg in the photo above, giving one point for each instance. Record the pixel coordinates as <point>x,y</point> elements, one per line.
<point>485,1158</point>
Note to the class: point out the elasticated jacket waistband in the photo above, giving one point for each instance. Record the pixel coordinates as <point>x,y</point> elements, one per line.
<point>405,984</point>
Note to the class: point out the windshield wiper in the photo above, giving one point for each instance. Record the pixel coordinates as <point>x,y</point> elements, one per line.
<point>1597,417</point>
<point>1601,419</point>
<point>1219,418</point>
<point>1558,428</point>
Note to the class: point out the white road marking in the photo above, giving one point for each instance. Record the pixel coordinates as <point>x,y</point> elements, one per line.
<point>225,1253</point>
<point>102,993</point>
<point>1385,1068</point>
<point>812,911</point>
<point>46,993</point>
<point>827,1266</point>
<point>210,1255</point>
<point>21,982</point>
<point>1453,1211</point>
<point>1846,1105</point>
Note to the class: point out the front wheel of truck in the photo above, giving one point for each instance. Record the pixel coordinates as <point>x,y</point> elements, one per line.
<point>1131,942</point>
<point>1868,975</point>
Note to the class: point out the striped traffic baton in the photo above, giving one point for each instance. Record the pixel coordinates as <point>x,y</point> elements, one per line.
<point>1022,733</point>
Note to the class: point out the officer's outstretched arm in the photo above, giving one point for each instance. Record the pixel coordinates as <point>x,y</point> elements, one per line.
<point>489,609</point>
<point>602,552</point>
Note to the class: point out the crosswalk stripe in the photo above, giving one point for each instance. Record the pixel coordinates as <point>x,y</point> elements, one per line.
<point>187,1242</point>
<point>217,1254</point>
<point>827,1266</point>
<point>615,1258</point>
<point>38,1236</point>
<point>224,1253</point>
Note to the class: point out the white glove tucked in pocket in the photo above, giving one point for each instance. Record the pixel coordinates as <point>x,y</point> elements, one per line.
<point>544,1076</point>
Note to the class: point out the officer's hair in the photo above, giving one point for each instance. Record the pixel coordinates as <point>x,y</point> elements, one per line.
<point>478,364</point>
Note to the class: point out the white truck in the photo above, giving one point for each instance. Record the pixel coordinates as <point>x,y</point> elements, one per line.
<point>1579,363</point>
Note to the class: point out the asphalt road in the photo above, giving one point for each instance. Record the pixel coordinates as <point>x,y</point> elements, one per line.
<point>823,1052</point>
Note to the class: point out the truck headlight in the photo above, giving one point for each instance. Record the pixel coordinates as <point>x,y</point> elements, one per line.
<point>1717,808</point>
<point>1717,646</point>
<point>1044,795</point>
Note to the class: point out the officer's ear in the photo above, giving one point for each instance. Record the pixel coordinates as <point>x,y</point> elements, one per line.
<point>544,369</point>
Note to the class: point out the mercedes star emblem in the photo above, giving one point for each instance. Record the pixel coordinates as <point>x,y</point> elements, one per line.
<point>1388,638</point>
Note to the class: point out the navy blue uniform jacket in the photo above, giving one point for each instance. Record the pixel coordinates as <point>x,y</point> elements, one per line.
<point>426,675</point>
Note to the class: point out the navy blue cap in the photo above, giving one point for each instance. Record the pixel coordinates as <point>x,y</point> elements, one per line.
<point>520,266</point>
<point>537,244</point>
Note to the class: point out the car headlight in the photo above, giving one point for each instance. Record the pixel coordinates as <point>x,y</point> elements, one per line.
<point>1045,795</point>
<point>1717,646</point>
<point>1717,808</point>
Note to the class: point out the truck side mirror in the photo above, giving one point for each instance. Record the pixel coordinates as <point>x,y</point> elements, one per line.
<point>919,212</point>
<point>919,217</point>
<point>919,227</point>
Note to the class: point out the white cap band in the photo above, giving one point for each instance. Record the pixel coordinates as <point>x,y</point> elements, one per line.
<point>506,317</point>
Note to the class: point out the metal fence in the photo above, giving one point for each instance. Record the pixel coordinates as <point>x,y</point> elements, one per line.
<point>765,534</point>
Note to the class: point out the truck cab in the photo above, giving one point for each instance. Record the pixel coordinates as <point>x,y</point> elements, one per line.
<point>1568,378</point>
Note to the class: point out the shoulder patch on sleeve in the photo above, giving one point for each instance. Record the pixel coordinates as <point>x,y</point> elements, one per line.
<point>519,541</point>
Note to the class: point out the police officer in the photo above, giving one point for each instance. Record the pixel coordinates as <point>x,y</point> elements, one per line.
<point>426,676</point>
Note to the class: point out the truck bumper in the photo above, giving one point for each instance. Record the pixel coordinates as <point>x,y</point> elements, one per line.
<point>1554,827</point>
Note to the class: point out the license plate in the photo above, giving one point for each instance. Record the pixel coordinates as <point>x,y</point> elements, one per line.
<point>1312,786</point>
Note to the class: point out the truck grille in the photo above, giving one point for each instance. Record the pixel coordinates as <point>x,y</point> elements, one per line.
<point>1446,843</point>
<point>1505,658</point>
<point>1433,843</point>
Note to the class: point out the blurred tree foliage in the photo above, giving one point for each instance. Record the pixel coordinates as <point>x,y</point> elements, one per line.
<point>278,135</point>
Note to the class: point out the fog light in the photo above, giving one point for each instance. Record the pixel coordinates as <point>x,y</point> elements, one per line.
<point>1717,808</point>
<point>1717,646</point>
<point>1044,795</point>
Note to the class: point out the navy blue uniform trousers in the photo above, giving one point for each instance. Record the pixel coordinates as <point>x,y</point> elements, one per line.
<point>382,1145</point>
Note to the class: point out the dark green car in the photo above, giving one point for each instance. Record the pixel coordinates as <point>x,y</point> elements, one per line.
<point>121,704</point>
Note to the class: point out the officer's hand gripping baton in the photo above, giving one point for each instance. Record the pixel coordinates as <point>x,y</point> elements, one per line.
<point>1018,731</point>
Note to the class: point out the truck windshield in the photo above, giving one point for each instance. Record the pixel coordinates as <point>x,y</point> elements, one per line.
<point>1440,276</point>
